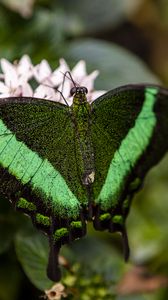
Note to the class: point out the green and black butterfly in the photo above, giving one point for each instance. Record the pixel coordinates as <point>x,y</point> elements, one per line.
<point>66,165</point>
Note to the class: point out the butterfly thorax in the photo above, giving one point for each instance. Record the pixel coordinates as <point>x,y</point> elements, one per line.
<point>81,116</point>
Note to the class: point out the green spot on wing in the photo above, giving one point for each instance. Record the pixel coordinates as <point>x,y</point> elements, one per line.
<point>105,217</point>
<point>129,152</point>
<point>76,224</point>
<point>60,233</point>
<point>118,219</point>
<point>43,220</point>
<point>134,185</point>
<point>24,204</point>
<point>126,203</point>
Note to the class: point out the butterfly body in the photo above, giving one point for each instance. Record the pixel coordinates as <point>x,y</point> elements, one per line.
<point>66,165</point>
<point>81,118</point>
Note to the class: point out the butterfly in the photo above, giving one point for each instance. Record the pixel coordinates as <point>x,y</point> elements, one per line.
<point>67,165</point>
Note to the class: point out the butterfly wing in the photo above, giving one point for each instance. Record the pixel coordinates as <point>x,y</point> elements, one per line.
<point>38,153</point>
<point>39,160</point>
<point>129,134</point>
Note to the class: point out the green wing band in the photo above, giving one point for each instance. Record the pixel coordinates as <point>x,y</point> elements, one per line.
<point>129,152</point>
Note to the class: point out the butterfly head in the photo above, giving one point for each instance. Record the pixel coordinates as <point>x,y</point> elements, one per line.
<point>79,95</point>
<point>78,90</point>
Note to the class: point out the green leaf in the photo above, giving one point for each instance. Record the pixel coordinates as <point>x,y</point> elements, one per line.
<point>117,66</point>
<point>101,258</point>
<point>32,252</point>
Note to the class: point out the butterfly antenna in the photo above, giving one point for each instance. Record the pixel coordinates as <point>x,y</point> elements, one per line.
<point>61,93</point>
<point>63,82</point>
<point>70,78</point>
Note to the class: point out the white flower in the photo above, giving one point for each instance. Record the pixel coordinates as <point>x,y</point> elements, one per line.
<point>56,292</point>
<point>53,85</point>
<point>14,80</point>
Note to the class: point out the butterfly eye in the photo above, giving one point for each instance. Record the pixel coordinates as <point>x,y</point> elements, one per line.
<point>85,90</point>
<point>73,91</point>
<point>80,90</point>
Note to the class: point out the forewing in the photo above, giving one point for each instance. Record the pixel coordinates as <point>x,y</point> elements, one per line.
<point>38,158</point>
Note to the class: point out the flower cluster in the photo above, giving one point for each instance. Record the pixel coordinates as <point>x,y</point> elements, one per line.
<point>15,80</point>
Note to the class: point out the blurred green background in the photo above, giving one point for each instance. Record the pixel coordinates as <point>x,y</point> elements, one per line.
<point>127,41</point>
